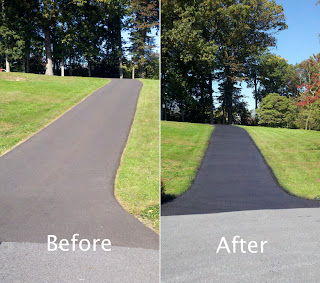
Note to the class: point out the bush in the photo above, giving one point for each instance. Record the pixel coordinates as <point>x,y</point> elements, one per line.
<point>277,111</point>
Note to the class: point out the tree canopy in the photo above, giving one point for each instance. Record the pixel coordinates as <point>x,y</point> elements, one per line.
<point>83,37</point>
<point>210,40</point>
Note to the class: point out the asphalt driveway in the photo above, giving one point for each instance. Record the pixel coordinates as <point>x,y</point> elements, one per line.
<point>61,182</point>
<point>236,194</point>
<point>233,177</point>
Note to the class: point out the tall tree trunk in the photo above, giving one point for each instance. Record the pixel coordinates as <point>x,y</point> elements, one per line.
<point>142,54</point>
<point>120,66</point>
<point>89,68</point>
<point>121,55</point>
<point>228,94</point>
<point>133,71</point>
<point>7,62</point>
<point>256,91</point>
<point>6,43</point>
<point>229,109</point>
<point>165,112</point>
<point>49,69</point>
<point>28,61</point>
<point>62,65</point>
<point>223,113</point>
<point>202,103</point>
<point>211,99</point>
<point>70,64</point>
<point>24,64</point>
<point>141,67</point>
<point>182,114</point>
<point>307,121</point>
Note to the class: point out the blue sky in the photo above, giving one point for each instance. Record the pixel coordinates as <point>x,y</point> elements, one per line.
<point>297,43</point>
<point>300,40</point>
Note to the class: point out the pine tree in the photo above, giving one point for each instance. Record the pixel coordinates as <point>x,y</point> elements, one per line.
<point>145,17</point>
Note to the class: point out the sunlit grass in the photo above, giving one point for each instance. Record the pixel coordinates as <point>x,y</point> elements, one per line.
<point>137,182</point>
<point>182,149</point>
<point>294,157</point>
<point>28,102</point>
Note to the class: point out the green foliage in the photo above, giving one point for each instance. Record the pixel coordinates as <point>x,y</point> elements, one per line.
<point>11,40</point>
<point>211,39</point>
<point>12,44</point>
<point>277,76</point>
<point>188,56</point>
<point>145,17</point>
<point>152,66</point>
<point>152,213</point>
<point>276,111</point>
<point>83,36</point>
<point>308,117</point>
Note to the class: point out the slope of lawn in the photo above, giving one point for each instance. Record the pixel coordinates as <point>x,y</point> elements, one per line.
<point>182,149</point>
<point>294,157</point>
<point>137,182</point>
<point>28,102</point>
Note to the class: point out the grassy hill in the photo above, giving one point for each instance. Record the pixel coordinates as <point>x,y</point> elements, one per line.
<point>29,102</point>
<point>294,157</point>
<point>182,149</point>
<point>137,182</point>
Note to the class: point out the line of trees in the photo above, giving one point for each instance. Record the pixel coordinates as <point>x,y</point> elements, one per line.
<point>206,41</point>
<point>79,37</point>
<point>227,43</point>
<point>293,103</point>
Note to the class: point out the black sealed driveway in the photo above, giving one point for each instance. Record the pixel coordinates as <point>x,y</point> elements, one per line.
<point>233,177</point>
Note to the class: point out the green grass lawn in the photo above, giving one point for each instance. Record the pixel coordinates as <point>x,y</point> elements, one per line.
<point>137,182</point>
<point>182,149</point>
<point>28,102</point>
<point>294,157</point>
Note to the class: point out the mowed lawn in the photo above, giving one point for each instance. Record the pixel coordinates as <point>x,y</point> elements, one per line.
<point>137,182</point>
<point>28,102</point>
<point>183,146</point>
<point>294,157</point>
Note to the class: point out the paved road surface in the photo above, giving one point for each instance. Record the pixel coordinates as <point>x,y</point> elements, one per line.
<point>61,182</point>
<point>233,177</point>
<point>234,193</point>
<point>292,254</point>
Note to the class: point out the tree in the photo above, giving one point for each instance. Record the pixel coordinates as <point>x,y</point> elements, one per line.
<point>310,77</point>
<point>275,76</point>
<point>252,71</point>
<point>188,56</point>
<point>145,16</point>
<point>195,32</point>
<point>116,10</point>
<point>276,111</point>
<point>244,29</point>
<point>310,88</point>
<point>85,35</point>
<point>11,41</point>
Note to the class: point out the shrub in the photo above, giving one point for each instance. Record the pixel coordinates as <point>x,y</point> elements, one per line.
<point>276,111</point>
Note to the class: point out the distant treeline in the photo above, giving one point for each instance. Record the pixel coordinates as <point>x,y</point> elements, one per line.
<point>79,37</point>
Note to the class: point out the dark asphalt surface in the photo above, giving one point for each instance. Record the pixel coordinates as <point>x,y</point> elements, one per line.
<point>61,180</point>
<point>233,177</point>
